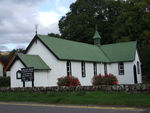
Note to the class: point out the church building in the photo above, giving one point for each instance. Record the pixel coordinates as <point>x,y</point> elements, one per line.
<point>53,58</point>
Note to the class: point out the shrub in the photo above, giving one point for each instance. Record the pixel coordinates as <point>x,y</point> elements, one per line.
<point>98,80</point>
<point>107,79</point>
<point>4,81</point>
<point>68,81</point>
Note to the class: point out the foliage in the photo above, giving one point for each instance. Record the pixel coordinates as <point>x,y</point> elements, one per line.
<point>79,23</point>
<point>68,81</point>
<point>4,81</point>
<point>145,58</point>
<point>107,79</point>
<point>54,35</point>
<point>133,23</point>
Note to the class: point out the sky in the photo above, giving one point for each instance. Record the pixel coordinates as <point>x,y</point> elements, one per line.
<point>19,17</point>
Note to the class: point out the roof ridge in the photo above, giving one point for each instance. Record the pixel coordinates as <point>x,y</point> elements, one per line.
<point>68,40</point>
<point>117,43</point>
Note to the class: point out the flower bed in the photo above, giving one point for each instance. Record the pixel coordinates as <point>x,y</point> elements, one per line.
<point>107,79</point>
<point>68,81</point>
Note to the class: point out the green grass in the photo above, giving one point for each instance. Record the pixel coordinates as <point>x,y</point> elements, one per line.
<point>83,98</point>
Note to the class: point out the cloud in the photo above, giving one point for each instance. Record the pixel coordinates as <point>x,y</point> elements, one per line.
<point>18,19</point>
<point>63,10</point>
<point>3,48</point>
<point>47,18</point>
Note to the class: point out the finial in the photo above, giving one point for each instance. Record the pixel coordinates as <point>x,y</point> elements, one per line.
<point>96,37</point>
<point>96,27</point>
<point>36,28</point>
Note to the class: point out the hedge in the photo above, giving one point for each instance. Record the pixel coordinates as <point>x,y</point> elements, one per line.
<point>4,81</point>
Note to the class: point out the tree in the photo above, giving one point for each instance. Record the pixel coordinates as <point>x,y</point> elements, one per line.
<point>79,23</point>
<point>54,35</point>
<point>133,23</point>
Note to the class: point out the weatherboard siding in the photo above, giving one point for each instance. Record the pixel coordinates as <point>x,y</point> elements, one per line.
<point>15,67</point>
<point>127,78</point>
<point>40,78</point>
<point>58,68</point>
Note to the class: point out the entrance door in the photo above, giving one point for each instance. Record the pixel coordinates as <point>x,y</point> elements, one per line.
<point>135,74</point>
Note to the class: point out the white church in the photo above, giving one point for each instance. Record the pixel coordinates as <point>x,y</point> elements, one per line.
<point>53,57</point>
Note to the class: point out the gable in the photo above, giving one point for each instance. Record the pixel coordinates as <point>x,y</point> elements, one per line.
<point>31,61</point>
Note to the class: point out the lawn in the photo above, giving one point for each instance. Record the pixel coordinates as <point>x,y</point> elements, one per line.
<point>83,98</point>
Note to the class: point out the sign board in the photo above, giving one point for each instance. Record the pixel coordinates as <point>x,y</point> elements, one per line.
<point>27,74</point>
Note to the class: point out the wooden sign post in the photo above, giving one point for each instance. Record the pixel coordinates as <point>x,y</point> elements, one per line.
<point>27,75</point>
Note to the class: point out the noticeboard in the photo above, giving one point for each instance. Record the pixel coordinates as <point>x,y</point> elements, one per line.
<point>27,74</point>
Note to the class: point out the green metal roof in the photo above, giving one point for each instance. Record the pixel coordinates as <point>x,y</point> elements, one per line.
<point>71,50</point>
<point>33,61</point>
<point>124,51</point>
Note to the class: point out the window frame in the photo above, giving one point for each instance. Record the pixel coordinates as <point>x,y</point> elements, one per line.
<point>68,66</point>
<point>105,68</point>
<point>83,70</point>
<point>121,69</point>
<point>95,68</point>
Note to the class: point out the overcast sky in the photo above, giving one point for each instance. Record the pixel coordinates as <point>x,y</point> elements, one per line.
<point>19,17</point>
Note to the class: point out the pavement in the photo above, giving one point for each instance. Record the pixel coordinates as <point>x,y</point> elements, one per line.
<point>14,107</point>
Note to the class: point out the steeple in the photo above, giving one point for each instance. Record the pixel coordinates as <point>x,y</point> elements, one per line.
<point>96,37</point>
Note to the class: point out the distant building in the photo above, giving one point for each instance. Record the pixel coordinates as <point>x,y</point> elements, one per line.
<point>1,68</point>
<point>54,57</point>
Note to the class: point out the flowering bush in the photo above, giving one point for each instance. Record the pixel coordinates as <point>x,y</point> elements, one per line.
<point>107,79</point>
<point>98,80</point>
<point>68,81</point>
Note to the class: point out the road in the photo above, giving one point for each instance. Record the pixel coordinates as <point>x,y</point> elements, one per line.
<point>45,108</point>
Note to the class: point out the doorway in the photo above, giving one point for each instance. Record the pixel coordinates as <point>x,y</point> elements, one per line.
<point>135,74</point>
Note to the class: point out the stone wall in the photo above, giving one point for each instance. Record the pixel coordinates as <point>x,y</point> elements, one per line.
<point>114,88</point>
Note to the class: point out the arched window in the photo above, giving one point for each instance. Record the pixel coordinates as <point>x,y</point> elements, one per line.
<point>138,67</point>
<point>18,74</point>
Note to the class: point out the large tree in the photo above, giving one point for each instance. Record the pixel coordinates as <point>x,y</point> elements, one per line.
<point>133,23</point>
<point>79,23</point>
